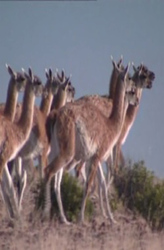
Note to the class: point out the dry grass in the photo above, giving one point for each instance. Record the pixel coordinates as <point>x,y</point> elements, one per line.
<point>130,233</point>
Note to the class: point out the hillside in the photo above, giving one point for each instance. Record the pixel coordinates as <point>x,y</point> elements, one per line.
<point>131,231</point>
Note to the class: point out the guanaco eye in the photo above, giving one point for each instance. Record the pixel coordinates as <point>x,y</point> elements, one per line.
<point>142,77</point>
<point>37,81</point>
<point>20,78</point>
<point>69,89</point>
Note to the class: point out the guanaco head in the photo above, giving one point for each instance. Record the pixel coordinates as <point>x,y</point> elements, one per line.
<point>70,92</point>
<point>122,84</point>
<point>131,89</point>
<point>118,65</point>
<point>63,92</point>
<point>34,82</point>
<point>117,68</point>
<point>132,96</point>
<point>52,83</point>
<point>70,89</point>
<point>17,78</point>
<point>143,77</point>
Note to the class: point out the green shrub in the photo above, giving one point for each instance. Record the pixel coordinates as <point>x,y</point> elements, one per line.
<point>71,193</point>
<point>137,189</point>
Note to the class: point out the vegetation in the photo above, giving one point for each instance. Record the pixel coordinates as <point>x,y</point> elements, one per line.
<point>140,191</point>
<point>72,194</point>
<point>135,187</point>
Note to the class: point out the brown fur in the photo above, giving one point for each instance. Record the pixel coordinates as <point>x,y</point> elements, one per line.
<point>105,104</point>
<point>143,79</point>
<point>12,138</point>
<point>14,135</point>
<point>85,122</point>
<point>16,84</point>
<point>37,144</point>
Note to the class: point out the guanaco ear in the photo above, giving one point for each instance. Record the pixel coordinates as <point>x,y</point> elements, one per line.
<point>67,82</point>
<point>141,68</point>
<point>134,68</point>
<point>70,76</point>
<point>62,75</point>
<point>114,63</point>
<point>120,61</point>
<point>11,72</point>
<point>25,74</point>
<point>46,73</point>
<point>31,74</point>
<point>50,73</point>
<point>126,71</point>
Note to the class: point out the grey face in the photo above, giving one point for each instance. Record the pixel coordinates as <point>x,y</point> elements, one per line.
<point>143,77</point>
<point>17,78</point>
<point>21,81</point>
<point>38,86</point>
<point>70,92</point>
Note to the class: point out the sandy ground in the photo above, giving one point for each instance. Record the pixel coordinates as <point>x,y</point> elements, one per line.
<point>130,232</point>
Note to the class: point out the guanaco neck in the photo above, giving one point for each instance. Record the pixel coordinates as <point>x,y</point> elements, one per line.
<point>45,105</point>
<point>113,82</point>
<point>58,102</point>
<point>133,109</point>
<point>59,99</point>
<point>124,115</point>
<point>26,118</point>
<point>11,100</point>
<point>118,102</point>
<point>130,116</point>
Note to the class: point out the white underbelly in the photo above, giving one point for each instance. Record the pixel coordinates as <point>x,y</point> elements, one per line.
<point>85,144</point>
<point>126,135</point>
<point>54,148</point>
<point>16,151</point>
<point>110,149</point>
<point>32,148</point>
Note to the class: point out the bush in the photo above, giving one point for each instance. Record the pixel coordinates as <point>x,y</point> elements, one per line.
<point>137,189</point>
<point>71,193</point>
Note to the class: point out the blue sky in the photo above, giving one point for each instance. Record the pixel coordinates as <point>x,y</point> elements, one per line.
<point>80,36</point>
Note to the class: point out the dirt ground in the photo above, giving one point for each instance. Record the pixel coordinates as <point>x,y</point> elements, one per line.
<point>130,232</point>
